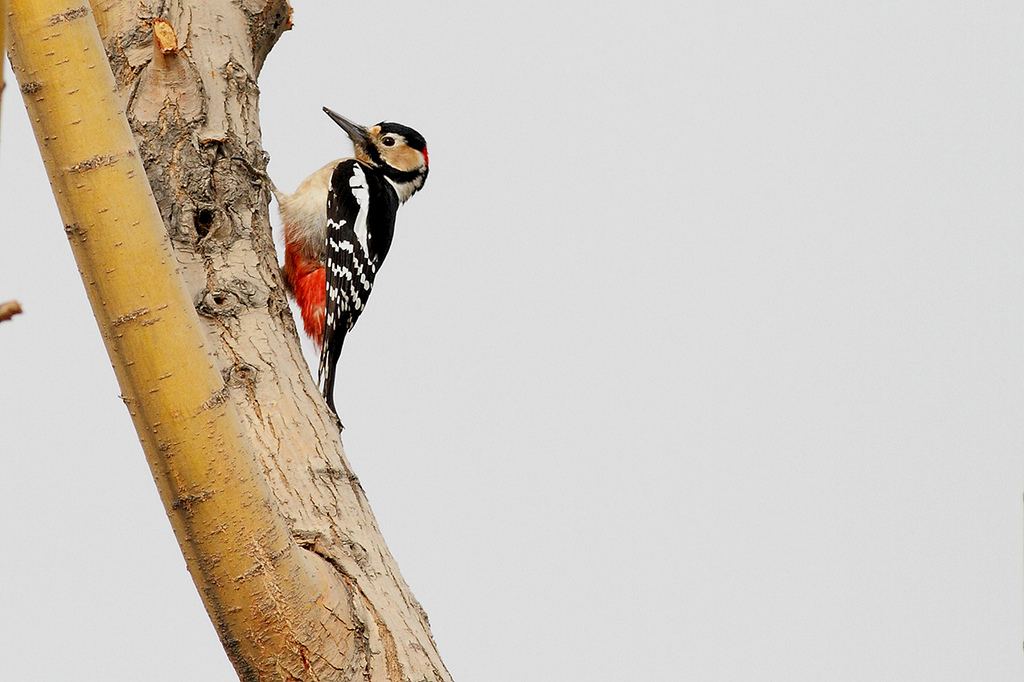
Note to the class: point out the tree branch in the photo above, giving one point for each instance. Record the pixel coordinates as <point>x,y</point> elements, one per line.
<point>9,310</point>
<point>275,528</point>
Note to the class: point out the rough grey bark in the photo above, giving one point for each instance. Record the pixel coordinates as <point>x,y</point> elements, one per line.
<point>187,72</point>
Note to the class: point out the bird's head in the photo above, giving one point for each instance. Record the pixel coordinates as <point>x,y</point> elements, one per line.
<point>399,151</point>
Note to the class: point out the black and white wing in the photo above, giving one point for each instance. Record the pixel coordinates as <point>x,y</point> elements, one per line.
<point>349,269</point>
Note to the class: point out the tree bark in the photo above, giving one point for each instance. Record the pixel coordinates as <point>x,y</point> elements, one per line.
<point>3,47</point>
<point>9,309</point>
<point>275,528</point>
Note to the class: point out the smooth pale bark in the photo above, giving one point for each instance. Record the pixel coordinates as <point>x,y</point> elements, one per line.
<point>275,528</point>
<point>9,310</point>
<point>3,46</point>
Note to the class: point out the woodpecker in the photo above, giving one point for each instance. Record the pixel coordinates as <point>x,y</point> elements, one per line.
<point>338,227</point>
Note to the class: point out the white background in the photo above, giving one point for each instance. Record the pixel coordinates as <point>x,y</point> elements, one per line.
<point>699,357</point>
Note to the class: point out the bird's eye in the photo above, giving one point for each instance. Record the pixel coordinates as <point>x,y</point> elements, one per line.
<point>387,141</point>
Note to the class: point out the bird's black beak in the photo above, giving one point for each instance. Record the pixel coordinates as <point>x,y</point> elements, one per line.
<point>354,131</point>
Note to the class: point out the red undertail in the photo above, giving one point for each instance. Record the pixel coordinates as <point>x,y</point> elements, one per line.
<point>306,280</point>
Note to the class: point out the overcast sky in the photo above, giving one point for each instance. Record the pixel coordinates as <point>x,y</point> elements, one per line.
<point>699,357</point>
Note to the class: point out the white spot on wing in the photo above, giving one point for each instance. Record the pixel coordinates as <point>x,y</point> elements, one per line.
<point>361,192</point>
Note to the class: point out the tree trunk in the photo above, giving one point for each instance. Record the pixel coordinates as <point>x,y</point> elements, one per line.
<point>3,46</point>
<point>184,281</point>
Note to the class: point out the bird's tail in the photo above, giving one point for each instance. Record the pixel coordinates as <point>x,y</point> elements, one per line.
<point>327,371</point>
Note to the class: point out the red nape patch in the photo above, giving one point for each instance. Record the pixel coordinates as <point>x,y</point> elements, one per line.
<point>426,159</point>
